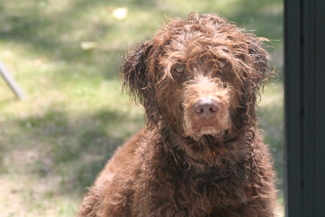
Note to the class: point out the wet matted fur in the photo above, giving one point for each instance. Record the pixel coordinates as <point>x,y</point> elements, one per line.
<point>200,153</point>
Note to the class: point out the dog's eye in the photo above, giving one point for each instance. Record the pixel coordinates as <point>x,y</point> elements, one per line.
<point>179,68</point>
<point>222,64</point>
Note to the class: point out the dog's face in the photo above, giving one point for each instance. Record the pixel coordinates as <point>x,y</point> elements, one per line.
<point>198,85</point>
<point>200,75</point>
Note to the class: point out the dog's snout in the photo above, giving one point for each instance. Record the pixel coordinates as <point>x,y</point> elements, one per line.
<point>206,108</point>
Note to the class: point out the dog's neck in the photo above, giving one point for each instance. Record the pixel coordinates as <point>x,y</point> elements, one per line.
<point>205,151</point>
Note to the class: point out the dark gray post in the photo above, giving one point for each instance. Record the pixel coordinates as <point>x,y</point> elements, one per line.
<point>305,107</point>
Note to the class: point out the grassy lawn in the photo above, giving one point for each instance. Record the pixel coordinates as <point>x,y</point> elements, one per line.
<point>55,141</point>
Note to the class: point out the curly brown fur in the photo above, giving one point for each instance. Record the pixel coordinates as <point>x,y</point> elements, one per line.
<point>200,153</point>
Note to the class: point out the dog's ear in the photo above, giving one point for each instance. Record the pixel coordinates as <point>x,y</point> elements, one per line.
<point>137,73</point>
<point>256,76</point>
<point>262,68</point>
<point>261,64</point>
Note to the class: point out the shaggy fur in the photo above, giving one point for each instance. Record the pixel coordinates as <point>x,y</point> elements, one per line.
<point>200,153</point>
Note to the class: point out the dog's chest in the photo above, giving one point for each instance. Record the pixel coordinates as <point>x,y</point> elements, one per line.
<point>191,192</point>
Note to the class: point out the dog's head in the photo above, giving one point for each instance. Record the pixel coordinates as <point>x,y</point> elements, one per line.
<point>201,75</point>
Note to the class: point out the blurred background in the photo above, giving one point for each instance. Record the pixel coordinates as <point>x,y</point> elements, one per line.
<point>65,56</point>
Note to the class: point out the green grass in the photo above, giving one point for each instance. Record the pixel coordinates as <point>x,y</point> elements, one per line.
<point>54,143</point>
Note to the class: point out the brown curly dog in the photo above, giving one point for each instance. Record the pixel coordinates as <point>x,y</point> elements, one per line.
<point>200,153</point>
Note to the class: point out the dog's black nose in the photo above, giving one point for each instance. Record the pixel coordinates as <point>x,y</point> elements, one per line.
<point>206,108</point>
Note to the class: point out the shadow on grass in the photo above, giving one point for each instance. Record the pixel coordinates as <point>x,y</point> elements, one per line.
<point>71,150</point>
<point>57,35</point>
